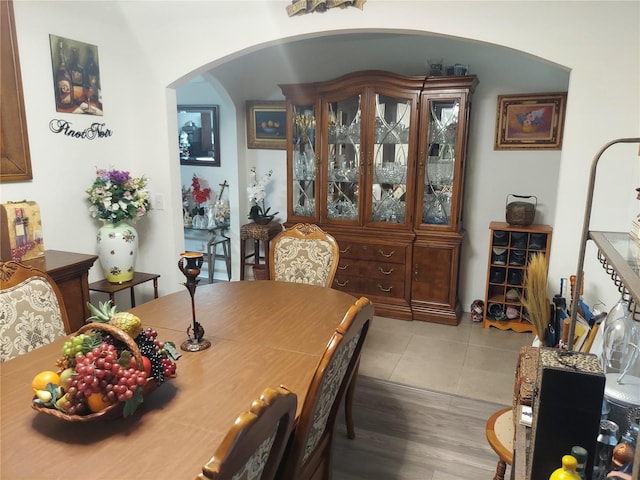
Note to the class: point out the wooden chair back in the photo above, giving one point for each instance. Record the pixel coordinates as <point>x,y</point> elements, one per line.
<point>309,454</point>
<point>253,447</point>
<point>32,312</point>
<point>304,253</point>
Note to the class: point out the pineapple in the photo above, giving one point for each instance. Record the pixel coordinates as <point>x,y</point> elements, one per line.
<point>128,322</point>
<point>107,313</point>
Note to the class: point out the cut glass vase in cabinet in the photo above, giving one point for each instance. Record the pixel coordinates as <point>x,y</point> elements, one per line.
<point>304,191</point>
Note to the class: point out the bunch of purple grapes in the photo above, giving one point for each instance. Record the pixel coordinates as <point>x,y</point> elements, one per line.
<point>162,365</point>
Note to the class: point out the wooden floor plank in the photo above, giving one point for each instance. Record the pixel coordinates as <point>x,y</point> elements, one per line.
<point>406,433</point>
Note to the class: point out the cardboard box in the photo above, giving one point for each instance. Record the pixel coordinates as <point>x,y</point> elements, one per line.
<point>20,231</point>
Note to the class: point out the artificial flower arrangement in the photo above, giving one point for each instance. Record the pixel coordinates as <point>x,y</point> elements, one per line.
<point>257,194</point>
<point>200,195</point>
<point>116,196</point>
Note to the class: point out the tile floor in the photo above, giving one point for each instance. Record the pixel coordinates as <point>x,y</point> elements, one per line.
<point>466,360</point>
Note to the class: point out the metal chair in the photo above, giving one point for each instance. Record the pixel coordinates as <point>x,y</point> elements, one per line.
<point>253,447</point>
<point>32,313</point>
<point>212,254</point>
<point>309,455</point>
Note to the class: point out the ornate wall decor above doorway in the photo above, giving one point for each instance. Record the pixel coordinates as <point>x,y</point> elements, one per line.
<point>300,7</point>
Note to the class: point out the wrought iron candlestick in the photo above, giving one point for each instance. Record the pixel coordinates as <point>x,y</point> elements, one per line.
<point>189,264</point>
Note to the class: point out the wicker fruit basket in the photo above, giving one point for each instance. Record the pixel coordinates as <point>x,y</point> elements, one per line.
<point>114,410</point>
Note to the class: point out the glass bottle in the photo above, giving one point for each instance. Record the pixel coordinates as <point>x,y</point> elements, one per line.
<point>76,70</point>
<point>92,76</point>
<point>20,229</point>
<point>64,86</point>
<point>567,471</point>
<point>620,341</point>
<point>580,454</point>
<point>607,440</point>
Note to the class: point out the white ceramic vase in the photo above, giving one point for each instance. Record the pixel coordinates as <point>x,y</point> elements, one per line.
<point>117,250</point>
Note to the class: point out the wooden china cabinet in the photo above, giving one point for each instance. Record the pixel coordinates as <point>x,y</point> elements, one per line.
<point>377,160</point>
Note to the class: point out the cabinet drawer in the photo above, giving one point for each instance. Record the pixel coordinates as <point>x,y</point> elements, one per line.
<point>382,287</point>
<point>373,252</point>
<point>392,272</point>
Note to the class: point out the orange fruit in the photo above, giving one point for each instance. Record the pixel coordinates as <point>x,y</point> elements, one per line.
<point>41,380</point>
<point>96,403</point>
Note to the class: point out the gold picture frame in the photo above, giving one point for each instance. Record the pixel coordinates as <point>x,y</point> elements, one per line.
<point>530,121</point>
<point>266,125</point>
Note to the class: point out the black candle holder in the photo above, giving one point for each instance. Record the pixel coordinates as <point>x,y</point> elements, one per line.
<point>190,264</point>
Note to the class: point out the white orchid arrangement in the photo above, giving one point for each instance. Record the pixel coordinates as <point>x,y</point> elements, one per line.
<point>257,193</point>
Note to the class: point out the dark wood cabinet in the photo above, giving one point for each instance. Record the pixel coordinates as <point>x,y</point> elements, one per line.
<point>70,271</point>
<point>377,160</point>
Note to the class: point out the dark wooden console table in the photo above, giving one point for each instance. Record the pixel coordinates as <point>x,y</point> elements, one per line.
<point>70,271</point>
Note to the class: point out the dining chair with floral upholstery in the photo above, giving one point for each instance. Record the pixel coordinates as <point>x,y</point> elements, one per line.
<point>304,253</point>
<point>309,455</point>
<point>254,445</point>
<point>32,312</point>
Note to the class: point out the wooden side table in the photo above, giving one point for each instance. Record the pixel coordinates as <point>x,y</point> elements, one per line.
<point>70,271</point>
<point>257,233</point>
<point>112,288</point>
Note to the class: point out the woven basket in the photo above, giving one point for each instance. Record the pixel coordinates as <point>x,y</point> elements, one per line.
<point>112,411</point>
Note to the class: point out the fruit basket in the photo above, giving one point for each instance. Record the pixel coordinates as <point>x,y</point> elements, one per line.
<point>105,372</point>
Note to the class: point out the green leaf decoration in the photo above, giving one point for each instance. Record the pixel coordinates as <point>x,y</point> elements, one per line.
<point>125,359</point>
<point>53,389</point>
<point>172,351</point>
<point>132,404</point>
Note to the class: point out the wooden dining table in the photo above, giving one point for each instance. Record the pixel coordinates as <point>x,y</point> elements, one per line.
<point>263,334</point>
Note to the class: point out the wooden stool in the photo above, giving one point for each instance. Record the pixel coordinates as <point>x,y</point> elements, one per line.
<point>500,432</point>
<point>257,233</point>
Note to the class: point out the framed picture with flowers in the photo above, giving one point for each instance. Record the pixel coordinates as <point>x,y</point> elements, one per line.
<point>266,125</point>
<point>530,121</point>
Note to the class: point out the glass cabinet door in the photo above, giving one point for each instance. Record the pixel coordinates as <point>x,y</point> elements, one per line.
<point>305,161</point>
<point>390,159</point>
<point>440,163</point>
<point>343,159</point>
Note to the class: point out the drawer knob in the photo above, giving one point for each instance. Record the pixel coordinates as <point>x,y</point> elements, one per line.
<point>344,284</point>
<point>346,250</point>
<point>386,255</point>
<point>343,267</point>
<point>388,272</point>
<point>388,289</point>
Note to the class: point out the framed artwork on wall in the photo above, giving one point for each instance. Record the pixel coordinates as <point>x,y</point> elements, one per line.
<point>76,76</point>
<point>199,135</point>
<point>266,125</point>
<point>530,121</point>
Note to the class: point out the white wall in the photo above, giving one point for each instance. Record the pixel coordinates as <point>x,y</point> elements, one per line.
<point>159,44</point>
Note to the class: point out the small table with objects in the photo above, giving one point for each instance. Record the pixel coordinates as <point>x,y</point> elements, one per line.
<point>112,288</point>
